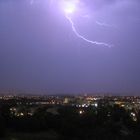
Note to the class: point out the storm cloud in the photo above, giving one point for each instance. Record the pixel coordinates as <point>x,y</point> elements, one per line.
<point>38,49</point>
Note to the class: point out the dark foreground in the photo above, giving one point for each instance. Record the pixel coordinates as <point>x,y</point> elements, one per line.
<point>70,123</point>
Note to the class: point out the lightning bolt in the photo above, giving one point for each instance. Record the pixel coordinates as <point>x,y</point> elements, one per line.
<point>105,24</point>
<point>75,30</point>
<point>82,37</point>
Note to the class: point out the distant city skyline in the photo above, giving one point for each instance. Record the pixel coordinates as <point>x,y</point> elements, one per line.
<point>42,92</point>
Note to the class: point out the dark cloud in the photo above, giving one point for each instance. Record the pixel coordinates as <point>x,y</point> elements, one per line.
<point>38,49</point>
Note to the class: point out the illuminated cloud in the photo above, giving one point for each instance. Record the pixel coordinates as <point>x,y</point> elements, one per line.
<point>69,6</point>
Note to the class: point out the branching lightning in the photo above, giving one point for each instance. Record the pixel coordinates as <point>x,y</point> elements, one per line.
<point>83,38</point>
<point>69,7</point>
<point>105,24</point>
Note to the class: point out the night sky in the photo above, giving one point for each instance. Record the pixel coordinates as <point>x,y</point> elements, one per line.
<point>39,50</point>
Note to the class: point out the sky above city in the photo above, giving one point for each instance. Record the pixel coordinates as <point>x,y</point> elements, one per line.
<point>70,46</point>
